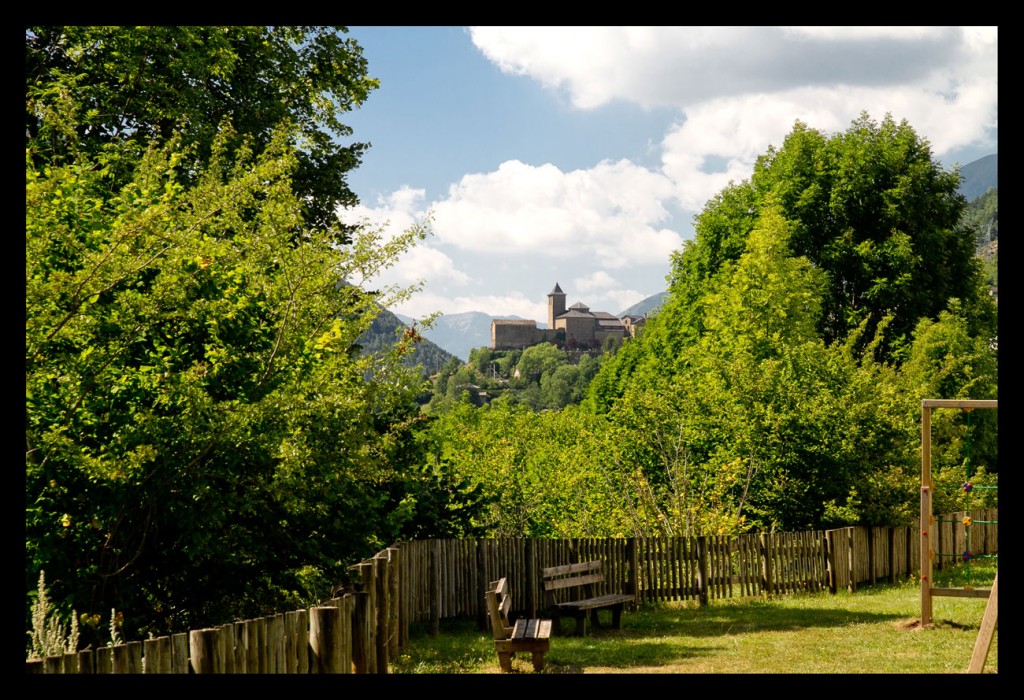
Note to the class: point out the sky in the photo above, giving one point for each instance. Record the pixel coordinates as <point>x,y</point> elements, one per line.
<point>579,156</point>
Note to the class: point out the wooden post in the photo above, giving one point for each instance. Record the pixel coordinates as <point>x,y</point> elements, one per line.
<point>702,569</point>
<point>122,659</point>
<point>204,651</point>
<point>360,605</point>
<point>394,601</point>
<point>871,555</point>
<point>830,559</point>
<point>157,653</point>
<point>633,574</point>
<point>87,662</point>
<point>325,639</point>
<point>435,586</point>
<point>104,660</point>
<point>179,653</point>
<point>370,618</point>
<point>926,514</point>
<point>531,578</point>
<point>380,572</point>
<point>767,578</point>
<point>227,643</point>
<point>481,584</point>
<point>987,630</point>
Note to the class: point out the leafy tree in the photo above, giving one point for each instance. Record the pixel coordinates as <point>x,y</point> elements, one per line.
<point>204,439</point>
<point>538,360</point>
<point>869,207</point>
<point>89,88</point>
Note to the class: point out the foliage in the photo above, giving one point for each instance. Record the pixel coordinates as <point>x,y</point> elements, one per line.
<point>204,439</point>
<point>779,385</point>
<point>90,88</point>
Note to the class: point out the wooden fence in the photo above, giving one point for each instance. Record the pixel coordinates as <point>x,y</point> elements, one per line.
<point>427,581</point>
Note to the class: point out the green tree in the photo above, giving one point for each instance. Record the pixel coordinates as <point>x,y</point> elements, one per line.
<point>869,207</point>
<point>89,88</point>
<point>204,439</point>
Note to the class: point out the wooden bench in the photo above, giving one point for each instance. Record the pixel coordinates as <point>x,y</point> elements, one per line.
<point>525,635</point>
<point>570,590</point>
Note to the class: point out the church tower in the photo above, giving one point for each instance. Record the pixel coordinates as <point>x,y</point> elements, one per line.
<point>556,305</point>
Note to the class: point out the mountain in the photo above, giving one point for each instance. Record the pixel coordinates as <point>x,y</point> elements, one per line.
<point>384,331</point>
<point>646,306</point>
<point>978,176</point>
<point>460,333</point>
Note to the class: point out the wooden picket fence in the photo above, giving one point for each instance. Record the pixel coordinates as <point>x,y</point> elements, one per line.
<point>427,581</point>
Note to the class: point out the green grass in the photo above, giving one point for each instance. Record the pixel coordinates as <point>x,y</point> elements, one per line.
<point>873,631</point>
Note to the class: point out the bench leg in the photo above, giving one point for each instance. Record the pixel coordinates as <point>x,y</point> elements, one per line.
<point>505,661</point>
<point>617,616</point>
<point>538,661</point>
<point>581,624</point>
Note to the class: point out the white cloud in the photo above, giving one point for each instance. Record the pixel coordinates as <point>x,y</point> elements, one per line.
<point>612,211</point>
<point>595,281</point>
<point>737,90</point>
<point>942,79</point>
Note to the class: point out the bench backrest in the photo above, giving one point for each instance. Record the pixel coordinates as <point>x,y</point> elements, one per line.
<point>498,604</point>
<point>581,576</point>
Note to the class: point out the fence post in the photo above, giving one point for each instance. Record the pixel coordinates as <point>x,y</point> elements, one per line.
<point>370,617</point>
<point>830,559</point>
<point>360,606</point>
<point>157,653</point>
<point>702,569</point>
<point>87,661</point>
<point>632,574</point>
<point>204,651</point>
<point>325,639</point>
<point>382,614</point>
<point>481,584</point>
<point>394,572</point>
<point>531,577</point>
<point>892,554</point>
<point>435,587</point>
<point>767,584</point>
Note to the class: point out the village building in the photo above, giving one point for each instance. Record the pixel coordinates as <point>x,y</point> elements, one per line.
<point>573,327</point>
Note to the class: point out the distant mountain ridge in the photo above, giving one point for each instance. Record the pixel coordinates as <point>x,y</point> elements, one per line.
<point>460,333</point>
<point>978,176</point>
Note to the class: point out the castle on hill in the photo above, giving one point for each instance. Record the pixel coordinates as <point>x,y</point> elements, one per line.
<point>572,328</point>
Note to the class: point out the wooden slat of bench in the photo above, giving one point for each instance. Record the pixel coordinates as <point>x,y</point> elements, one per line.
<point>598,602</point>
<point>525,630</point>
<point>555,584</point>
<point>571,568</point>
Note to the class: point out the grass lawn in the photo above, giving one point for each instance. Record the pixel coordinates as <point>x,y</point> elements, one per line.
<point>873,631</point>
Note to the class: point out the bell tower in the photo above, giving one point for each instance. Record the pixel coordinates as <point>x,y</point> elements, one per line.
<point>556,305</point>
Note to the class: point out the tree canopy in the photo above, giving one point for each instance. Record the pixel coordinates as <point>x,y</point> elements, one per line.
<point>204,440</point>
<point>90,88</point>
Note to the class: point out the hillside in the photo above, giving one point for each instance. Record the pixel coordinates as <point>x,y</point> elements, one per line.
<point>646,306</point>
<point>978,176</point>
<point>385,329</point>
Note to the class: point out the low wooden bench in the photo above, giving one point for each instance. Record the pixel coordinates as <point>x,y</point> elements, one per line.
<point>525,635</point>
<point>570,590</point>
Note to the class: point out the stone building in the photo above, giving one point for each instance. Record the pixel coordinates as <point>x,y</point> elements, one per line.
<point>575,327</point>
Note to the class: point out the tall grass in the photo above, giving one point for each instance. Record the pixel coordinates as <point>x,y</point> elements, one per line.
<point>873,631</point>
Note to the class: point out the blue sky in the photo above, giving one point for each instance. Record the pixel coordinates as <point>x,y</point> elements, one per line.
<point>580,155</point>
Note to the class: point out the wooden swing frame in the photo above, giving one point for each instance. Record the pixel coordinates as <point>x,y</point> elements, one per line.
<point>928,591</point>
